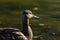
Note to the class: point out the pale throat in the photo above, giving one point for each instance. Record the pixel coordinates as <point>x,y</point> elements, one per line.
<point>25,24</point>
<point>26,30</point>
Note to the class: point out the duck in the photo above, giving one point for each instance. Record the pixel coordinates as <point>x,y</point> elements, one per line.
<point>26,33</point>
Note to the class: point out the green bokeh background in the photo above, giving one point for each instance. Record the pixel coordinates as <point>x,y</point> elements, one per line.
<point>45,28</point>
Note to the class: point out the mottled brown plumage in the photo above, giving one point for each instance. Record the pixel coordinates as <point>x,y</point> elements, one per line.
<point>16,34</point>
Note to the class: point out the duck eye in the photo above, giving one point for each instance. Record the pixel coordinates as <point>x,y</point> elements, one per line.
<point>25,13</point>
<point>30,13</point>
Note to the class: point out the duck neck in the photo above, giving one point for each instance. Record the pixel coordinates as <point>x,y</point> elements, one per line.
<point>27,31</point>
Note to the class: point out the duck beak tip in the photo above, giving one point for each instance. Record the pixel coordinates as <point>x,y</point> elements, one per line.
<point>36,17</point>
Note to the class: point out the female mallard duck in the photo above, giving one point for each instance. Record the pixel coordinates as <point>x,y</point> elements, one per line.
<point>26,33</point>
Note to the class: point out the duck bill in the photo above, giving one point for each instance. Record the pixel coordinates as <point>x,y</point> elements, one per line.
<point>37,17</point>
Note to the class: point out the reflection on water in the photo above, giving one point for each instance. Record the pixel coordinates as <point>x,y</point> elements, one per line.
<point>47,34</point>
<point>44,38</point>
